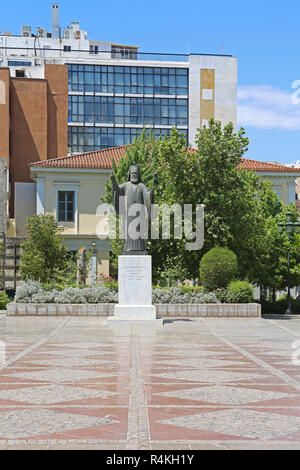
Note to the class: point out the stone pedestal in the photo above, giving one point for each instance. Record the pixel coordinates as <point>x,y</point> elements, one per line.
<point>135,290</point>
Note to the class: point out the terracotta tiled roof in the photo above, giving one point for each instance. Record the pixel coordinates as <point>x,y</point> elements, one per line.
<point>102,159</point>
<point>266,167</point>
<point>99,159</point>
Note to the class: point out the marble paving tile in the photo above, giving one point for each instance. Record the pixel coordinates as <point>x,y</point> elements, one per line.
<point>213,376</point>
<point>62,375</point>
<point>25,423</point>
<point>239,422</point>
<point>47,394</point>
<point>224,395</point>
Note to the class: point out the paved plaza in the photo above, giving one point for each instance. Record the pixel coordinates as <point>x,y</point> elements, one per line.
<point>206,383</point>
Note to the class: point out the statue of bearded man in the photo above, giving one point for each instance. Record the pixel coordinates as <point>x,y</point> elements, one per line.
<point>133,200</point>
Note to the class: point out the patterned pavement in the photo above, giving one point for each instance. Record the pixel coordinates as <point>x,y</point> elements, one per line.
<point>208,383</point>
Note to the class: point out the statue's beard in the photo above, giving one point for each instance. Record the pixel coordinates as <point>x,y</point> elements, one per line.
<point>134,180</point>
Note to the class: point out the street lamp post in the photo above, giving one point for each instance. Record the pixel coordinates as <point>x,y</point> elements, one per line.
<point>289,227</point>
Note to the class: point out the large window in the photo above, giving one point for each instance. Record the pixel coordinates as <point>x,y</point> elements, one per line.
<point>136,80</point>
<point>18,63</point>
<point>86,139</point>
<point>66,206</point>
<point>106,109</point>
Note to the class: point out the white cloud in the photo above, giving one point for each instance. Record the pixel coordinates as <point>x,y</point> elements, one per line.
<point>267,107</point>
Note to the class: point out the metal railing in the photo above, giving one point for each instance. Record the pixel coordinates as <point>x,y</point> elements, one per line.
<point>111,54</point>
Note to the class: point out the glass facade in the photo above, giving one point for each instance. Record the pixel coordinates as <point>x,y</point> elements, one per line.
<point>136,80</point>
<point>161,100</point>
<point>155,111</point>
<point>86,139</point>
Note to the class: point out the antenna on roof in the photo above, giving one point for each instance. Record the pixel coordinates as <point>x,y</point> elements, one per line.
<point>221,49</point>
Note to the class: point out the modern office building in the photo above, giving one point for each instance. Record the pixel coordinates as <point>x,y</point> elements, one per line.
<point>115,90</point>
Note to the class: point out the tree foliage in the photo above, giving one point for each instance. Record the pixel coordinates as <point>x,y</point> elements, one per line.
<point>241,210</point>
<point>44,256</point>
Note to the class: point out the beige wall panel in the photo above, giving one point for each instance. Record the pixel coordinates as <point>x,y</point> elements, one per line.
<point>207,106</point>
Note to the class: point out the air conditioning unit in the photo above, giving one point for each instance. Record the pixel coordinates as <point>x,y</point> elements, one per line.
<point>41,32</point>
<point>26,31</point>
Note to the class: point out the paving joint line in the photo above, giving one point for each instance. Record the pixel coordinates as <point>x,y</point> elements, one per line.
<point>138,434</point>
<point>286,378</point>
<point>284,328</point>
<point>36,345</point>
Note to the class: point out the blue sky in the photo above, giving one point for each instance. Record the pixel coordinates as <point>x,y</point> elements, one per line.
<point>263,35</point>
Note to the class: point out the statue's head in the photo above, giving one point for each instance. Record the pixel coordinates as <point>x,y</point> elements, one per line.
<point>134,174</point>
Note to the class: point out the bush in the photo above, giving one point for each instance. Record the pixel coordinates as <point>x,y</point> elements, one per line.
<point>44,255</point>
<point>279,307</point>
<point>24,293</point>
<point>113,285</point>
<point>4,300</point>
<point>33,292</point>
<point>100,295</point>
<point>239,292</point>
<point>71,295</point>
<point>221,295</point>
<point>218,267</point>
<point>175,295</point>
<point>204,298</point>
<point>191,289</point>
<point>169,296</point>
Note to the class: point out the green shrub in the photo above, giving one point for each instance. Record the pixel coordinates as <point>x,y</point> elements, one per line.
<point>218,267</point>
<point>175,295</point>
<point>113,285</point>
<point>284,298</point>
<point>239,292</point>
<point>4,300</point>
<point>44,256</point>
<point>33,292</point>
<point>221,294</point>
<point>191,289</point>
<point>279,307</point>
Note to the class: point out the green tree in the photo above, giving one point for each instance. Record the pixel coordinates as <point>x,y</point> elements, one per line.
<point>241,210</point>
<point>44,255</point>
<point>218,268</point>
<point>147,152</point>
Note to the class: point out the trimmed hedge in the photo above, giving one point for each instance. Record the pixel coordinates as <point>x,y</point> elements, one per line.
<point>218,267</point>
<point>279,307</point>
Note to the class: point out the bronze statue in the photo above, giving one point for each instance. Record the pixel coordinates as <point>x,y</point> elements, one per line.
<point>135,192</point>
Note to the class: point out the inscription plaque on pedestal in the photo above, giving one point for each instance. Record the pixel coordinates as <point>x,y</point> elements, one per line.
<point>135,289</point>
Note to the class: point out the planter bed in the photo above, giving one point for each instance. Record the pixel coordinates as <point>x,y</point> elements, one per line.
<point>162,310</point>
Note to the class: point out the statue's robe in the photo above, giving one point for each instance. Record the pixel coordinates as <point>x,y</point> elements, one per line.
<point>135,194</point>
